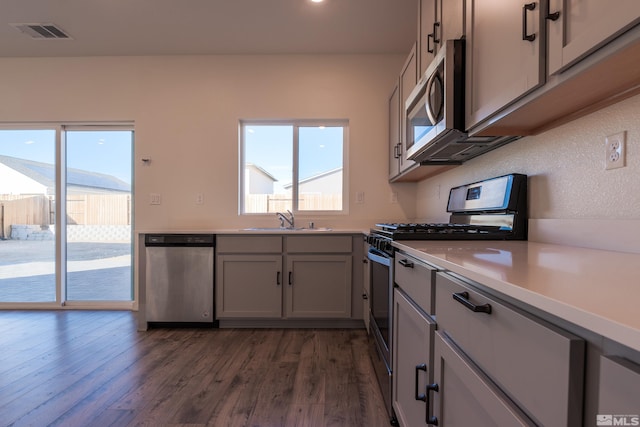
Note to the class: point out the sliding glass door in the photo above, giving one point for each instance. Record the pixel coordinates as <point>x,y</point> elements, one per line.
<point>98,215</point>
<point>27,217</point>
<point>66,217</point>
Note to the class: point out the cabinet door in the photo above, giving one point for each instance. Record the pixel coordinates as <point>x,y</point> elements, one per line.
<point>249,286</point>
<point>318,286</point>
<point>619,386</point>
<point>408,80</point>
<point>412,360</point>
<point>465,397</point>
<point>394,131</point>
<point>452,20</point>
<point>427,23</point>
<point>501,66</point>
<point>584,25</point>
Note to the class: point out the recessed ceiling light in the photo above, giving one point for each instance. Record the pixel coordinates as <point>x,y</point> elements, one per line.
<point>317,1</point>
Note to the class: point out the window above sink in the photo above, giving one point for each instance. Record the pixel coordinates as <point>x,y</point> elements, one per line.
<point>296,165</point>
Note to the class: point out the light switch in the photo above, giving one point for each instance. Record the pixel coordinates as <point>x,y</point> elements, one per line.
<point>155,199</point>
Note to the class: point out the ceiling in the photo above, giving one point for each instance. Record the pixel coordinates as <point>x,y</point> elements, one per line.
<point>194,27</point>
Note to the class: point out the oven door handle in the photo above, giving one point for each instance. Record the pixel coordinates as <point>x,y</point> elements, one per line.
<point>379,258</point>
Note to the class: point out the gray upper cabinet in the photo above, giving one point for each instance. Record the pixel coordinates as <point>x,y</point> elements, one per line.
<point>503,55</point>
<point>438,20</point>
<point>530,69</point>
<point>428,23</point>
<point>576,28</point>
<point>394,131</point>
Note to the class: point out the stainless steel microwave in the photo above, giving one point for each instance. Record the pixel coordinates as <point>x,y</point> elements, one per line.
<point>435,129</point>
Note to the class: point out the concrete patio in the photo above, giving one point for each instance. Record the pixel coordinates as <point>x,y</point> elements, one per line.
<point>95,271</point>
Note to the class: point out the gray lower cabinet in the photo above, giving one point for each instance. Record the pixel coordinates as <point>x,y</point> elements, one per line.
<point>538,365</point>
<point>463,396</point>
<point>619,390</point>
<point>280,277</point>
<point>249,286</point>
<point>412,347</point>
<point>412,361</point>
<point>318,286</point>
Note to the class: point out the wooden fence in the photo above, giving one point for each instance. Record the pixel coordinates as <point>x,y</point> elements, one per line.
<point>86,209</point>
<point>272,203</point>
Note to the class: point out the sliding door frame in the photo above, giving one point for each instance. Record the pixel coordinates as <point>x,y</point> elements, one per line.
<point>61,301</point>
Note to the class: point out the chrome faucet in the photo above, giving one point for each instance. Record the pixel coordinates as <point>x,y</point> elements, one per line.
<point>289,220</point>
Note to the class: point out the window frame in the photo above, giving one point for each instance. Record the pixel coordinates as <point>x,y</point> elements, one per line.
<point>296,124</point>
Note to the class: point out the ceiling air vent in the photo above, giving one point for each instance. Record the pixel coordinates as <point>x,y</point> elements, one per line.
<point>42,31</point>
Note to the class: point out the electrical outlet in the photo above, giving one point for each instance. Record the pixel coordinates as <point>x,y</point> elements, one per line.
<point>615,150</point>
<point>394,197</point>
<point>199,199</point>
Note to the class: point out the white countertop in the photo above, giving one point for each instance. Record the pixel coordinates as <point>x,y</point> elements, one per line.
<point>319,230</point>
<point>595,289</point>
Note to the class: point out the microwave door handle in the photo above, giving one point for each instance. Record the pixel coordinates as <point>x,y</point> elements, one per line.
<point>427,105</point>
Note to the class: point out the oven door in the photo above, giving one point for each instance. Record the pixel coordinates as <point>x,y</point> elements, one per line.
<point>381,305</point>
<point>381,295</point>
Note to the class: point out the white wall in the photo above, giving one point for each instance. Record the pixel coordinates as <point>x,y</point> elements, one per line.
<point>566,172</point>
<point>186,111</point>
<point>257,182</point>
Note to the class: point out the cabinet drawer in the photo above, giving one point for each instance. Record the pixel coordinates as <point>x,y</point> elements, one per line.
<point>538,365</point>
<point>249,244</point>
<point>416,279</point>
<point>318,244</point>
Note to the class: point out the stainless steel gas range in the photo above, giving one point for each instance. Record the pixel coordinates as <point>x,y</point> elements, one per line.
<point>493,209</point>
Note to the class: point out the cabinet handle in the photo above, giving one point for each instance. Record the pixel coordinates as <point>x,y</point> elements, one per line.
<point>290,280</point>
<point>406,263</point>
<point>435,37</point>
<point>420,396</point>
<point>365,297</point>
<point>552,16</point>
<point>429,48</point>
<point>365,261</point>
<point>463,298</point>
<point>525,36</point>
<point>431,420</point>
<point>278,279</point>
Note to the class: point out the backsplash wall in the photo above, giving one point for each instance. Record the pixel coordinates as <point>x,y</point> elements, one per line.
<point>565,165</point>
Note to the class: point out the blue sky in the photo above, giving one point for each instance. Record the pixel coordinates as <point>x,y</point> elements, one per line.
<point>271,148</point>
<point>107,152</point>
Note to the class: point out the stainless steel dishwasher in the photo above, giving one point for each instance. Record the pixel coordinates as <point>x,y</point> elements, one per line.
<point>179,278</point>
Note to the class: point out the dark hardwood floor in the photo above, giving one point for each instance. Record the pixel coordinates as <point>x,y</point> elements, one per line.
<point>92,368</point>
